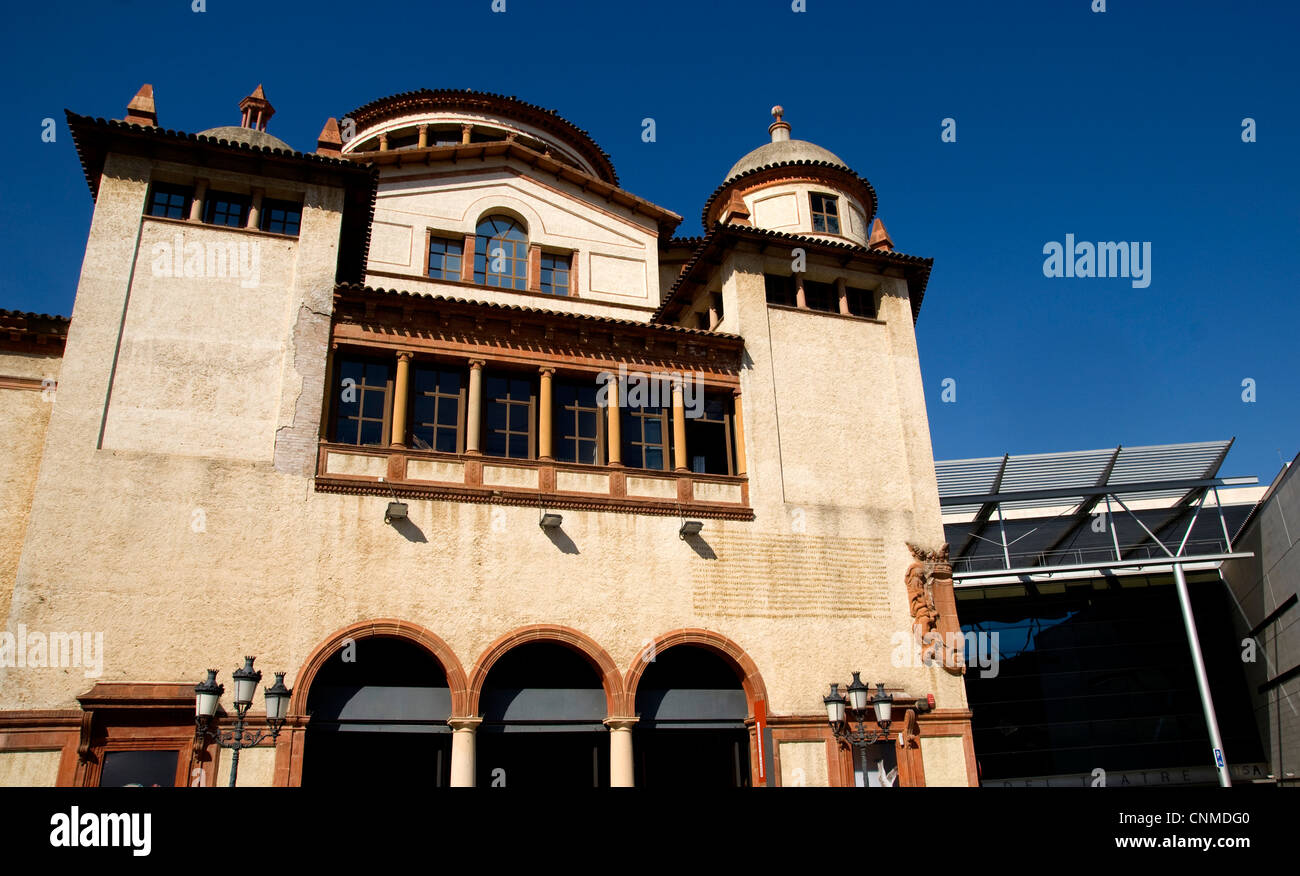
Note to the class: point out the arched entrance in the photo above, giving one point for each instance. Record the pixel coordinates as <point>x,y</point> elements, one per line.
<point>543,705</point>
<point>379,708</point>
<point>692,707</point>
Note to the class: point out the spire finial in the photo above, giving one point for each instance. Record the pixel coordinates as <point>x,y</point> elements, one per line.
<point>779,129</point>
<point>141,110</point>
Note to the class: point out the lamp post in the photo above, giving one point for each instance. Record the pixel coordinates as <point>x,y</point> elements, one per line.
<point>207,694</point>
<point>844,713</point>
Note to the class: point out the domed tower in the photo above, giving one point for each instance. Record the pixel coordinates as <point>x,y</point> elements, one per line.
<point>795,187</point>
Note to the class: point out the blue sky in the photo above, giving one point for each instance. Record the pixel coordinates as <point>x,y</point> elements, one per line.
<point>1122,125</point>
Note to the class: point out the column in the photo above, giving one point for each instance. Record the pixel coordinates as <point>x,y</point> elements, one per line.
<point>843,288</point>
<point>614,423</point>
<point>679,426</point>
<point>200,195</point>
<point>255,209</point>
<point>383,142</point>
<point>621,764</point>
<point>739,426</point>
<point>545,430</point>
<point>462,750</point>
<point>401,399</point>
<point>474,417</point>
<point>464,133</point>
<point>424,136</point>
<point>800,300</point>
<point>713,317</point>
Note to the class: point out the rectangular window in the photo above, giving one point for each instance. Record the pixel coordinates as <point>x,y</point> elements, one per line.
<point>143,769</point>
<point>444,258</point>
<point>579,424</point>
<point>226,208</point>
<point>437,409</point>
<point>281,217</point>
<point>825,213</point>
<point>646,433</point>
<point>170,201</point>
<point>708,437</point>
<point>821,296</point>
<point>362,410</point>
<point>555,274</point>
<point>716,299</point>
<point>702,321</point>
<point>862,302</point>
<point>780,290</point>
<point>509,407</point>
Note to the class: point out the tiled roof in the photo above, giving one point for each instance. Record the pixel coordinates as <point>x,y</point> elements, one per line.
<point>548,118</point>
<point>538,311</point>
<point>920,266</point>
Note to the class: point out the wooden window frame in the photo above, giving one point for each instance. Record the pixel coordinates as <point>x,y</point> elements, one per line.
<point>185,191</point>
<point>568,273</point>
<point>210,208</point>
<point>636,439</point>
<point>461,397</point>
<point>269,204</point>
<point>569,415</point>
<point>386,425</point>
<point>868,295</point>
<point>729,412</point>
<point>448,239</point>
<point>509,402</point>
<point>823,214</point>
<point>518,253</point>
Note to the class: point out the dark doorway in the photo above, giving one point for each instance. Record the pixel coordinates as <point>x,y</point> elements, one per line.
<point>691,731</point>
<point>379,711</point>
<point>543,706</point>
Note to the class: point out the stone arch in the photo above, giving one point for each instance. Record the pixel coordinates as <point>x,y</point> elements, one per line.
<point>750,678</point>
<point>387,627</point>
<point>585,646</point>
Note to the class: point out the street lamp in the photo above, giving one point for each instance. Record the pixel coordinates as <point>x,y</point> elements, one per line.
<point>844,713</point>
<point>207,694</point>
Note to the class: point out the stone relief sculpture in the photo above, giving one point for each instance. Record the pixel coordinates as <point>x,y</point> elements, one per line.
<point>931,566</point>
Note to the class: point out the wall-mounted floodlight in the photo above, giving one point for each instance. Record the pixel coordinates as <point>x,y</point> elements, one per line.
<point>550,520</point>
<point>690,527</point>
<point>396,511</point>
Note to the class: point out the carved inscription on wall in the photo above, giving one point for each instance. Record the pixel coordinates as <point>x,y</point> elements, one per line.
<point>778,576</point>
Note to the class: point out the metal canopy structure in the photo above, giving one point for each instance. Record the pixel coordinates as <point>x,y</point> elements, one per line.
<point>1181,474</point>
<point>1082,481</point>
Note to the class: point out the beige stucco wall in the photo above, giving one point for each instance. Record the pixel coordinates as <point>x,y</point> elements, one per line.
<point>803,765</point>
<point>617,250</point>
<point>945,761</point>
<point>787,207</point>
<point>29,769</point>
<point>256,768</point>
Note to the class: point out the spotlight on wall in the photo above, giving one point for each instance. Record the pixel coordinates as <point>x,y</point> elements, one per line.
<point>690,527</point>
<point>550,520</point>
<point>396,511</point>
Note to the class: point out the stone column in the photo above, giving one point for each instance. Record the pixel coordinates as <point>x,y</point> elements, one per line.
<point>383,142</point>
<point>462,750</point>
<point>843,288</point>
<point>739,427</point>
<point>622,766</point>
<point>200,195</point>
<point>401,399</point>
<point>800,299</point>
<point>679,426</point>
<point>424,136</point>
<point>614,424</point>
<point>545,428</point>
<point>255,209</point>
<point>474,417</point>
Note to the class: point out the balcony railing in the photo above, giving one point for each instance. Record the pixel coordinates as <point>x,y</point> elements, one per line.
<point>1083,556</point>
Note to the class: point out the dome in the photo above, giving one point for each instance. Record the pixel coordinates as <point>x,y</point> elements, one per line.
<point>251,136</point>
<point>783,152</point>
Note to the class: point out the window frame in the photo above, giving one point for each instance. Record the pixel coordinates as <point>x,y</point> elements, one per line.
<point>568,273</point>
<point>461,396</point>
<point>447,239</point>
<point>264,218</point>
<point>858,294</point>
<point>631,440</point>
<point>823,214</point>
<point>729,412</point>
<point>485,429</point>
<point>180,189</point>
<point>213,197</point>
<point>518,282</point>
<point>386,424</point>
<point>564,415</point>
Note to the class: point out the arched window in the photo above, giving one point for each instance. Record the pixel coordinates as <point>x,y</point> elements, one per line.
<point>501,253</point>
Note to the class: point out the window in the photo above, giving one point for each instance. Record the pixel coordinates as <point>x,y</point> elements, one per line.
<point>579,424</point>
<point>708,437</point>
<point>509,404</point>
<point>702,321</point>
<point>862,302</point>
<point>555,274</point>
<point>225,208</point>
<point>282,217</point>
<point>406,139</point>
<point>437,409</point>
<point>716,299</point>
<point>825,213</point>
<point>821,296</point>
<point>780,290</point>
<point>444,258</point>
<point>646,432</point>
<point>170,201</point>
<point>501,253</point>
<point>362,411</point>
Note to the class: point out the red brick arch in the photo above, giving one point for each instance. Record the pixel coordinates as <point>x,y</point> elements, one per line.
<point>610,678</point>
<point>391,628</point>
<point>742,663</point>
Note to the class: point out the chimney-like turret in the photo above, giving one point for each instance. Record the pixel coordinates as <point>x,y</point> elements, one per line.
<point>141,110</point>
<point>256,110</point>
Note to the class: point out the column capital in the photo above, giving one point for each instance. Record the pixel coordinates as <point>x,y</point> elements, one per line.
<point>737,393</point>
<point>477,363</point>
<point>620,723</point>
<point>467,723</point>
<point>404,355</point>
<point>546,370</point>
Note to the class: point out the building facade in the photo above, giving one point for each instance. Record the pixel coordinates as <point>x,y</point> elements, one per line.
<point>515,486</point>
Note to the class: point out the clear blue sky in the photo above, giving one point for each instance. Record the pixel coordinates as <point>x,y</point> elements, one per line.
<point>1124,125</point>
